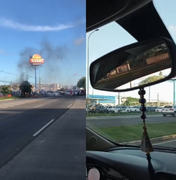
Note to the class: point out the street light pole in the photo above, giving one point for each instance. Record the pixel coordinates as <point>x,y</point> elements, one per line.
<point>88,61</point>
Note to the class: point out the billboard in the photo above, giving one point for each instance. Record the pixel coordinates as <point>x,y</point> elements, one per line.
<point>36,59</point>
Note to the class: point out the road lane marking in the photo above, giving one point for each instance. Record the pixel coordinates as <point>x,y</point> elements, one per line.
<point>38,106</point>
<point>43,128</point>
<point>69,105</point>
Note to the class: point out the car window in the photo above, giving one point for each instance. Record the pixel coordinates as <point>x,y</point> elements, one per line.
<point>167,106</point>
<point>126,126</point>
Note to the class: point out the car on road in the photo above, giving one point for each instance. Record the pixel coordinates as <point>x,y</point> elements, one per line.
<point>169,110</point>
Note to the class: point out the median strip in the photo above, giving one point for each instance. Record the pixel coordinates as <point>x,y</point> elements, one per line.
<point>43,128</point>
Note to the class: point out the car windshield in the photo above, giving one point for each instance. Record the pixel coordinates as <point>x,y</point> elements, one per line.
<point>119,120</point>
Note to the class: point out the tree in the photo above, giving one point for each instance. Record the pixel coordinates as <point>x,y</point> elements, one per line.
<point>5,90</point>
<point>25,87</point>
<point>151,79</point>
<point>82,83</point>
<point>131,101</point>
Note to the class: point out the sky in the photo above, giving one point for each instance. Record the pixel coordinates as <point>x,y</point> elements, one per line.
<point>106,40</point>
<point>54,29</point>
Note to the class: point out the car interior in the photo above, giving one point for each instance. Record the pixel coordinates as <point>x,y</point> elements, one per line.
<point>118,161</point>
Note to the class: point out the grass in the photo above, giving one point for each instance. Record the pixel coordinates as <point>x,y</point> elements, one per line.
<point>119,114</point>
<point>132,133</point>
<point>7,98</point>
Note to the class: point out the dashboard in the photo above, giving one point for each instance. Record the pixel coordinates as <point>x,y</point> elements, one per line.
<point>132,164</point>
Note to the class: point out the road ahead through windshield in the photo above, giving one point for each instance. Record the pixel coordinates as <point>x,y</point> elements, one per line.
<point>21,121</point>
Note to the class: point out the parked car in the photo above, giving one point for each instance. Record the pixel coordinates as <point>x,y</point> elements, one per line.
<point>135,109</point>
<point>126,109</point>
<point>113,109</point>
<point>67,93</point>
<point>151,108</point>
<point>169,110</point>
<point>56,93</point>
<point>50,93</point>
<point>159,109</point>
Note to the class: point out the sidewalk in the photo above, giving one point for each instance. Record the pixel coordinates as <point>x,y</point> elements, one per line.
<point>57,153</point>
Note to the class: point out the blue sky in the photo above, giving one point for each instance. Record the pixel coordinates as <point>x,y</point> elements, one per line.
<point>54,29</point>
<point>106,40</point>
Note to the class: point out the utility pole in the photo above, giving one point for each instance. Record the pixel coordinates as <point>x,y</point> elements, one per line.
<point>118,98</point>
<point>39,84</point>
<point>158,103</point>
<point>35,78</point>
<point>174,92</point>
<point>149,94</point>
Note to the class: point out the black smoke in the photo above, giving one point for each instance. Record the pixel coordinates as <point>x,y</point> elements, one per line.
<point>49,71</point>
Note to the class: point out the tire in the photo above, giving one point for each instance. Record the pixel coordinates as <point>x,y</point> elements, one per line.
<point>164,115</point>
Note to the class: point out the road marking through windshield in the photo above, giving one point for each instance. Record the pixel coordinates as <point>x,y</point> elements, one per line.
<point>43,127</point>
<point>69,105</point>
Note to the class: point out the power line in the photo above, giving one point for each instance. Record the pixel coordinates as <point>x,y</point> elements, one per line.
<point>8,73</point>
<point>11,73</point>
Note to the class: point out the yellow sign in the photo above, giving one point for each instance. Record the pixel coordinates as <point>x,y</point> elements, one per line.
<point>36,59</point>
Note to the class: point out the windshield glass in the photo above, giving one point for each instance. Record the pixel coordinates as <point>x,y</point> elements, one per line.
<point>116,116</point>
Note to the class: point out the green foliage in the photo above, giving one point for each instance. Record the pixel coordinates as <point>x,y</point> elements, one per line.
<point>82,83</point>
<point>130,101</point>
<point>151,79</point>
<point>25,87</point>
<point>5,90</point>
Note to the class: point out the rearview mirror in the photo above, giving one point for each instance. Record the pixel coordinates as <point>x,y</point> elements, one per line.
<point>134,66</point>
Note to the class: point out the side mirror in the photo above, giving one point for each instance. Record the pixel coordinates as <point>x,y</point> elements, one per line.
<point>135,66</point>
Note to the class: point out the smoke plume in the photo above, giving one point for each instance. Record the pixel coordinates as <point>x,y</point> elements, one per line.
<point>49,71</point>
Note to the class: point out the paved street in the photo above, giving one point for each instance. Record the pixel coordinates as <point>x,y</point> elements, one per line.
<point>170,143</point>
<point>99,122</point>
<point>24,127</point>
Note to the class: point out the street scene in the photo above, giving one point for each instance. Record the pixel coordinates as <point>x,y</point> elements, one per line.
<point>116,116</point>
<point>42,90</point>
<point>37,131</point>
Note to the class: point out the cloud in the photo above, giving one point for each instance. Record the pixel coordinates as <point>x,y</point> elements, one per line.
<point>79,41</point>
<point>24,27</point>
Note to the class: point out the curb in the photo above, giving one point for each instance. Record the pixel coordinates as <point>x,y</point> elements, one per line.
<point>6,100</point>
<point>154,140</point>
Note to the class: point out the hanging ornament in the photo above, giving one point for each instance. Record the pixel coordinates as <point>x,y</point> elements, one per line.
<point>146,144</point>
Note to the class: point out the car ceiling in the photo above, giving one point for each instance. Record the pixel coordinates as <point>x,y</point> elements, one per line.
<point>133,15</point>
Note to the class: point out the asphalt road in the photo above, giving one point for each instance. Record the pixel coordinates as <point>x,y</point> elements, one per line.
<point>99,122</point>
<point>170,143</point>
<point>21,121</point>
<point>57,152</point>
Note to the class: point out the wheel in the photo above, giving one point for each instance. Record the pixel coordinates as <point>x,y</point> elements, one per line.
<point>164,115</point>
